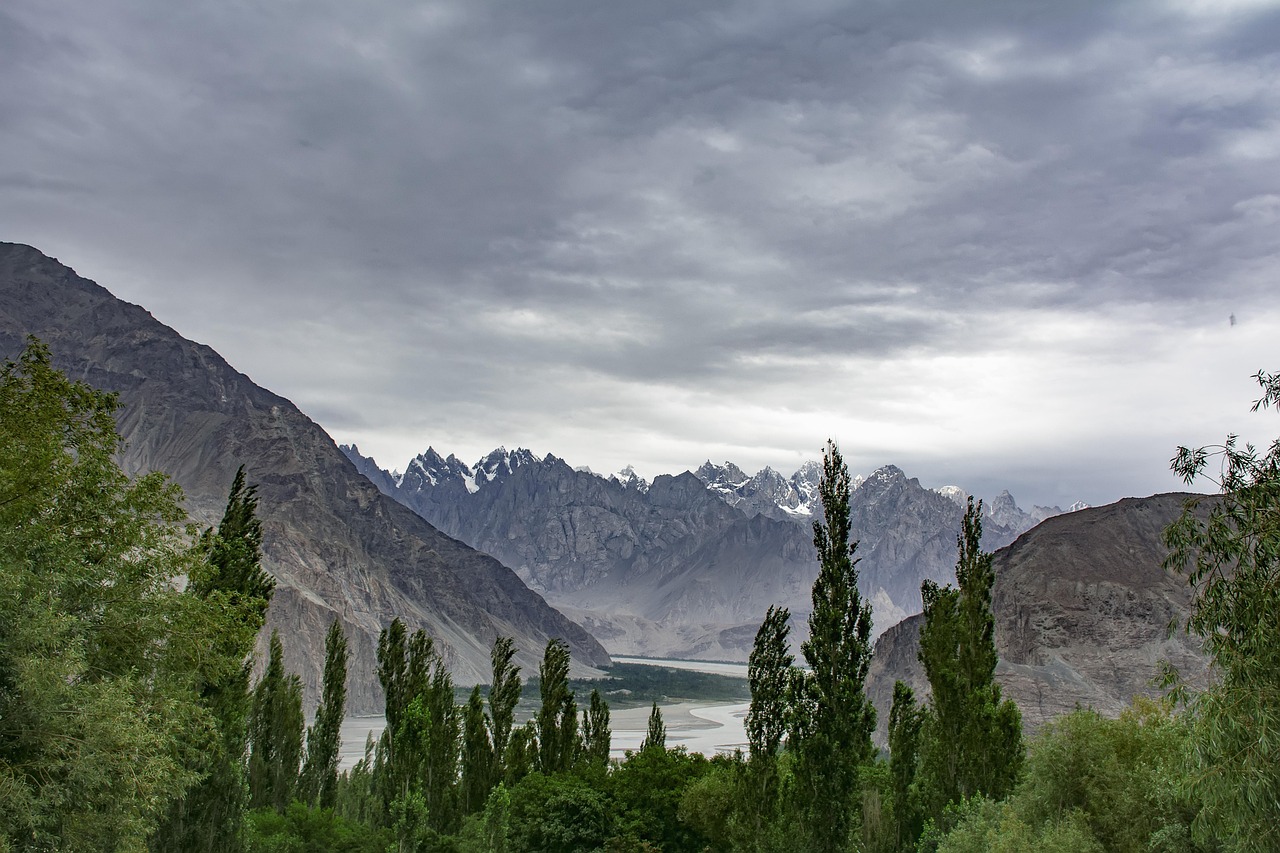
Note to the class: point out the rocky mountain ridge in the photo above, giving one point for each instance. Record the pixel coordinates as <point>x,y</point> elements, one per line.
<point>1083,609</point>
<point>336,546</point>
<point>686,565</point>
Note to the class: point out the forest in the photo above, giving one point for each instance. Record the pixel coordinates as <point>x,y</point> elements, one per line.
<point>130,721</point>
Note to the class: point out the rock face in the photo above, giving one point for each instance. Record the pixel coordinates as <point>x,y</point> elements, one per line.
<point>688,566</point>
<point>1082,613</point>
<point>337,547</point>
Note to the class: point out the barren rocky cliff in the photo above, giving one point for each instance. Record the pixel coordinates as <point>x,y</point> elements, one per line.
<point>337,546</point>
<point>1084,613</point>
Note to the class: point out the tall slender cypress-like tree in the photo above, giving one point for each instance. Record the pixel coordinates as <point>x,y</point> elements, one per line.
<point>275,734</point>
<point>504,694</point>
<point>477,755</point>
<point>209,818</point>
<point>319,780</point>
<point>769,674</point>
<point>905,720</point>
<point>972,742</point>
<point>596,734</point>
<point>656,736</point>
<point>833,719</point>
<point>558,716</point>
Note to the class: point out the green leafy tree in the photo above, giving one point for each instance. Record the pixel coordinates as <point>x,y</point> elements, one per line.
<point>477,755</point>
<point>319,779</point>
<point>1232,559</point>
<point>597,737</point>
<point>504,695</point>
<point>905,720</point>
<point>275,734</point>
<point>832,719</point>
<point>656,736</point>
<point>972,741</point>
<point>100,714</point>
<point>418,755</point>
<point>647,791</point>
<point>769,674</point>
<point>558,715</point>
<point>232,581</point>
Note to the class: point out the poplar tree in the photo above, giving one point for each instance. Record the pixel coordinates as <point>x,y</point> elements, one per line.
<point>477,755</point>
<point>972,742</point>
<point>324,738</point>
<point>905,720</point>
<point>833,720</point>
<point>596,734</point>
<point>770,671</point>
<point>558,715</point>
<point>275,734</point>
<point>656,737</point>
<point>504,695</point>
<point>209,817</point>
<point>769,674</point>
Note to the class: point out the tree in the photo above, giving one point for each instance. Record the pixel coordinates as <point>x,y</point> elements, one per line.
<point>231,580</point>
<point>972,741</point>
<point>558,715</point>
<point>477,755</point>
<point>416,766</point>
<point>833,720</point>
<point>275,734</point>
<point>100,711</point>
<point>596,735</point>
<point>769,674</point>
<point>1232,559</point>
<point>905,721</point>
<point>656,736</point>
<point>324,738</point>
<point>504,695</point>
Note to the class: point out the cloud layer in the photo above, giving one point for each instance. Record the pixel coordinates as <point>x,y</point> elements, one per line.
<point>995,244</point>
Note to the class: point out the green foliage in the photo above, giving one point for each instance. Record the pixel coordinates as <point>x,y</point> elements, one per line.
<point>1095,783</point>
<point>832,719</point>
<point>558,716</point>
<point>769,675</point>
<point>647,790</point>
<point>986,826</point>
<point>101,657</point>
<point>275,734</point>
<point>656,735</point>
<point>417,760</point>
<point>596,734</point>
<point>310,830</point>
<point>557,814</point>
<point>1233,561</point>
<point>231,583</point>
<point>906,718</point>
<point>504,695</point>
<point>477,755</point>
<point>319,779</point>
<point>635,685</point>
<point>972,741</point>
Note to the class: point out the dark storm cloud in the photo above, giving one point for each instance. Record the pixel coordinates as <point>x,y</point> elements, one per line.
<point>679,225</point>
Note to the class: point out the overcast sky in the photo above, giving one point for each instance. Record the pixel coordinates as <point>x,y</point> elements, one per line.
<point>997,244</point>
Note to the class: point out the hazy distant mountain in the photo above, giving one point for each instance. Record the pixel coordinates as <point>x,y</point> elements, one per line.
<point>1082,613</point>
<point>688,565</point>
<point>336,546</point>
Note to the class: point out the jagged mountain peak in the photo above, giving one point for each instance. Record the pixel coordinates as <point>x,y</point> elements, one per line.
<point>629,479</point>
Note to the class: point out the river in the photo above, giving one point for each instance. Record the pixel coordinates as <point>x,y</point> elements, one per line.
<point>705,727</point>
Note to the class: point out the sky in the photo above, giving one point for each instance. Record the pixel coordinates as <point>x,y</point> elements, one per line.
<point>1005,245</point>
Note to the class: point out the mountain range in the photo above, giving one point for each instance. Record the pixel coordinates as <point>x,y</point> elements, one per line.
<point>686,565</point>
<point>338,548</point>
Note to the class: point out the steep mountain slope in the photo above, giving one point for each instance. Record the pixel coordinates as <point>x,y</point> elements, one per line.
<point>1082,613</point>
<point>675,569</point>
<point>336,546</point>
